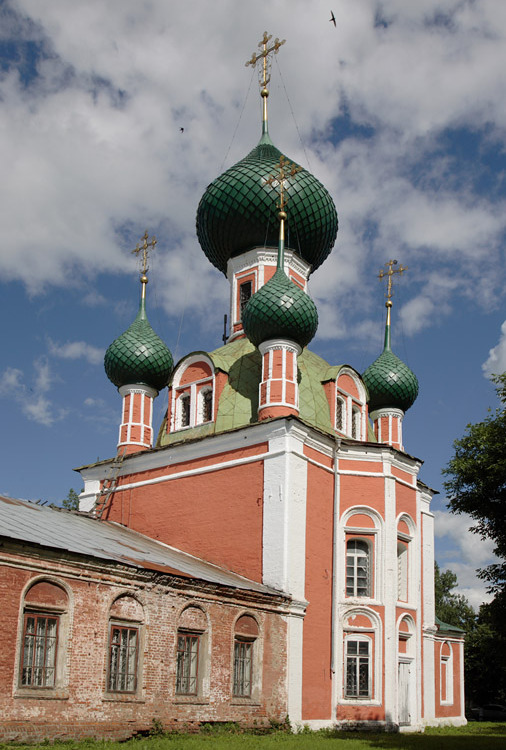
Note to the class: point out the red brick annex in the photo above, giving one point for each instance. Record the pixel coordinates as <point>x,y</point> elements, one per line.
<point>271,552</point>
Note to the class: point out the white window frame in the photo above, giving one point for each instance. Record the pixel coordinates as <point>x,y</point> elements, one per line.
<point>194,390</point>
<point>447,660</point>
<point>354,409</point>
<point>355,556</point>
<point>358,638</point>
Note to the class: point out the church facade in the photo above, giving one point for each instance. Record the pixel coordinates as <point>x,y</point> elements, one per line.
<point>282,478</point>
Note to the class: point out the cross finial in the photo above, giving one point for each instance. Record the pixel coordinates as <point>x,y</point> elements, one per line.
<point>264,55</point>
<point>144,248</point>
<point>389,274</point>
<point>284,170</point>
<point>264,72</point>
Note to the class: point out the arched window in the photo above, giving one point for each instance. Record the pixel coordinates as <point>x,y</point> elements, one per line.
<point>191,649</point>
<point>245,635</point>
<point>358,568</point>
<point>350,404</point>
<point>44,632</point>
<point>192,393</point>
<point>125,629</point>
<point>402,571</point>
<point>446,676</point>
<point>358,667</point>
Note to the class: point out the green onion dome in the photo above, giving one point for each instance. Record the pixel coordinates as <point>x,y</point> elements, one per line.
<point>280,310</point>
<point>390,382</point>
<point>139,356</point>
<point>237,211</point>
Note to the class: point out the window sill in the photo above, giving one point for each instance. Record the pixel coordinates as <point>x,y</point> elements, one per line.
<point>236,701</point>
<point>122,698</point>
<point>36,693</point>
<point>359,702</point>
<point>195,700</point>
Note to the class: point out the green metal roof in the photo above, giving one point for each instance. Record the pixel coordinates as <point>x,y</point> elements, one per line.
<point>280,310</point>
<point>238,404</point>
<point>139,356</point>
<point>238,211</point>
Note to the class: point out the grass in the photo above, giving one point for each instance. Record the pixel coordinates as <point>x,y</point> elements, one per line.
<point>475,736</point>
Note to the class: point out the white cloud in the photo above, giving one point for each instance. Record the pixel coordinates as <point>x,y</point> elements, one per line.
<point>496,361</point>
<point>77,350</point>
<point>465,552</point>
<point>32,400</point>
<point>94,150</point>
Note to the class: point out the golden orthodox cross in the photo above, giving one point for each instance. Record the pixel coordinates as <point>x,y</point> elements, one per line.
<point>144,249</point>
<point>264,56</point>
<point>285,170</point>
<point>389,274</point>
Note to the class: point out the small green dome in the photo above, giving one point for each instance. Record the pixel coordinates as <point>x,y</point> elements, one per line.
<point>238,211</point>
<point>139,356</point>
<point>390,382</point>
<point>280,310</point>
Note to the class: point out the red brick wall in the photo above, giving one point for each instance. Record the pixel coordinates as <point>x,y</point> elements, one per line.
<point>81,706</point>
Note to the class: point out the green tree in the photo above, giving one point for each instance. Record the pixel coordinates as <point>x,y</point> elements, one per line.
<point>485,655</point>
<point>476,483</point>
<point>71,502</point>
<point>452,608</point>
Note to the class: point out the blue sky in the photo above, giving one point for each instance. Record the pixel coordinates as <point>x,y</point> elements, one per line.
<point>400,111</point>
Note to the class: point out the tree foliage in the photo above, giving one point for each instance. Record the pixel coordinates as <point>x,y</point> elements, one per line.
<point>476,482</point>
<point>452,608</point>
<point>71,502</point>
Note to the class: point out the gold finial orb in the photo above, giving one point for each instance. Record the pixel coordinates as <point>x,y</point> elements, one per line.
<point>388,303</point>
<point>144,279</point>
<point>264,92</point>
<point>282,215</point>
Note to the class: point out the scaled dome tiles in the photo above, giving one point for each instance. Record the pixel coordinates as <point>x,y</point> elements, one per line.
<point>238,211</point>
<point>390,382</point>
<point>280,310</point>
<point>139,356</point>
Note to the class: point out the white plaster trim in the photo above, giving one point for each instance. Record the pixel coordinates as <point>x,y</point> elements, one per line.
<point>145,390</point>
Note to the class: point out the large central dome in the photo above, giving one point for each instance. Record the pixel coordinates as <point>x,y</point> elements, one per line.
<point>238,211</point>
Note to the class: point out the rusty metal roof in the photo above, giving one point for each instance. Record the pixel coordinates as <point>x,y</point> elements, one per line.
<point>74,532</point>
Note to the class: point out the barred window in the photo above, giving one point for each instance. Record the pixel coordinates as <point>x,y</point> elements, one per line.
<point>243,653</point>
<point>123,653</point>
<point>356,431</point>
<point>187,663</point>
<point>358,669</point>
<point>184,405</point>
<point>340,414</point>
<point>244,295</point>
<point>357,568</point>
<point>40,642</point>
<point>207,405</point>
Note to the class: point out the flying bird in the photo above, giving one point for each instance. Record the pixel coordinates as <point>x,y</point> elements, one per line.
<point>181,129</point>
<point>332,18</point>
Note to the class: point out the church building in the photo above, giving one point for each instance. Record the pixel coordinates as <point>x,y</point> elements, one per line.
<point>269,553</point>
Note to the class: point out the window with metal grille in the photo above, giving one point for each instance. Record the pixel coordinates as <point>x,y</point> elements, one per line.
<point>40,641</point>
<point>355,423</point>
<point>207,405</point>
<point>187,664</point>
<point>184,405</point>
<point>243,652</point>
<point>123,650</point>
<point>244,295</point>
<point>357,568</point>
<point>357,673</point>
<point>340,414</point>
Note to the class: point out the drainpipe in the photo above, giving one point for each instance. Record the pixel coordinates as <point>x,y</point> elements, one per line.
<point>334,603</point>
